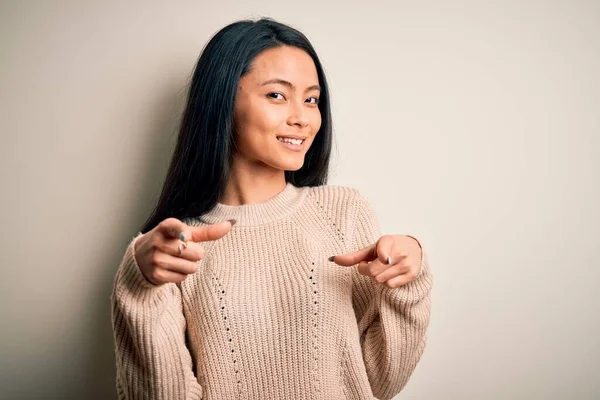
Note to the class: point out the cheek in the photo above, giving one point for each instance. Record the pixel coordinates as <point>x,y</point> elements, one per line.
<point>264,118</point>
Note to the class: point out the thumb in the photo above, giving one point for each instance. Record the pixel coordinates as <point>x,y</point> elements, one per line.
<point>174,228</point>
<point>211,232</point>
<point>368,253</point>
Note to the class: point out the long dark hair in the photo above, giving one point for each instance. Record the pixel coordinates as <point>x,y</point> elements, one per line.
<point>200,165</point>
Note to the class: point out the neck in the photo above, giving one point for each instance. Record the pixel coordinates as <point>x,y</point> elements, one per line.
<point>277,207</point>
<point>251,189</point>
<point>251,181</point>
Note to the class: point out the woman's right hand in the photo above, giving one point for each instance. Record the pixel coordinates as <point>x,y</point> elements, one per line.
<point>157,251</point>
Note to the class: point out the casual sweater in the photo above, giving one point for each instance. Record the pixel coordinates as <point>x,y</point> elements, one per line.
<point>267,316</point>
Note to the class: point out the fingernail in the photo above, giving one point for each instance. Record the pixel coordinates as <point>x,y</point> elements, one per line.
<point>182,236</point>
<point>233,221</point>
<point>331,258</point>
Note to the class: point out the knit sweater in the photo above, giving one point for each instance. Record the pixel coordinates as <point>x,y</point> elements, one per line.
<point>267,316</point>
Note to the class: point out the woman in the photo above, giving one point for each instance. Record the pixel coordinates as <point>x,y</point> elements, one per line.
<point>244,282</point>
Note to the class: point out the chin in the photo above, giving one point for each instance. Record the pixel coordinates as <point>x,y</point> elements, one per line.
<point>290,166</point>
<point>295,168</point>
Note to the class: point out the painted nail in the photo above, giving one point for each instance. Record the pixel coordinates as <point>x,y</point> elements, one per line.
<point>233,221</point>
<point>331,258</point>
<point>182,236</point>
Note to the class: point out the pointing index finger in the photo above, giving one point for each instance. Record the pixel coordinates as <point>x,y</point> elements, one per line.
<point>211,232</point>
<point>368,253</point>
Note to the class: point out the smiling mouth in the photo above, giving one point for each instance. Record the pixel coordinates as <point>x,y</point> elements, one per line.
<point>292,141</point>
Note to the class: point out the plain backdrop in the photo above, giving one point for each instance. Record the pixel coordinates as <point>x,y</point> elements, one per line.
<point>473,125</point>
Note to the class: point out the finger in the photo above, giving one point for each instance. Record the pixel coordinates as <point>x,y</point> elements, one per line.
<point>160,276</point>
<point>174,229</point>
<point>211,232</point>
<point>398,281</point>
<point>368,253</point>
<point>181,266</point>
<point>391,272</point>
<point>192,251</point>
<point>174,264</point>
<point>372,268</point>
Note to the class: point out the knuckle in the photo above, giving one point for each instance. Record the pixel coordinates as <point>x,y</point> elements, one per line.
<point>156,275</point>
<point>168,221</point>
<point>190,268</point>
<point>155,242</point>
<point>169,225</point>
<point>157,259</point>
<point>197,253</point>
<point>164,224</point>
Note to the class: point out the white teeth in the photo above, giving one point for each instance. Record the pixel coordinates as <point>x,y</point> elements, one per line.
<point>292,141</point>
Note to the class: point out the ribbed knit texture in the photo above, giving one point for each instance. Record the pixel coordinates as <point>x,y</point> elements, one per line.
<point>267,316</point>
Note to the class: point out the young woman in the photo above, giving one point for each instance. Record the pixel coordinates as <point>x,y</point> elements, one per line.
<point>253,278</point>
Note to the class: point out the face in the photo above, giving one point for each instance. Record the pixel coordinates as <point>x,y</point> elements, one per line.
<point>277,101</point>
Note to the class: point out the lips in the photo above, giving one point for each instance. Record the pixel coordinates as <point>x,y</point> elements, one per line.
<point>294,137</point>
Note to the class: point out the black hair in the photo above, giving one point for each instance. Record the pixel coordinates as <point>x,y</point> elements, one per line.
<point>200,165</point>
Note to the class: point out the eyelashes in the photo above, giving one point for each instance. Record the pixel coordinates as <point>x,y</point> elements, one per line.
<point>316,99</point>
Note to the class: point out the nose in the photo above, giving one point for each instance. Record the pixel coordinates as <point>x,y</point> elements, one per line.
<point>297,114</point>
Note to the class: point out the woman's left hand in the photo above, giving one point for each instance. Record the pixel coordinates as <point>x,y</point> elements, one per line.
<point>394,260</point>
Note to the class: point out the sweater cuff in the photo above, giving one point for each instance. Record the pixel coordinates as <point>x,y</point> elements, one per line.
<point>131,275</point>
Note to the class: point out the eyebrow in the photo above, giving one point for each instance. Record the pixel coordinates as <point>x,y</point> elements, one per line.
<point>291,85</point>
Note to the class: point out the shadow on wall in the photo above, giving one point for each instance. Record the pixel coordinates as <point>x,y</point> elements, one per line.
<point>99,379</point>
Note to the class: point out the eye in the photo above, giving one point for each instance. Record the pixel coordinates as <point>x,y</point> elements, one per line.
<point>316,100</point>
<point>275,94</point>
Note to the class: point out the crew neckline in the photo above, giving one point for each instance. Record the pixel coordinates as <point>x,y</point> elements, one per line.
<point>277,207</point>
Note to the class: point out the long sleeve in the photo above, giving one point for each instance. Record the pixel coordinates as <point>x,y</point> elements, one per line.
<point>149,328</point>
<point>392,322</point>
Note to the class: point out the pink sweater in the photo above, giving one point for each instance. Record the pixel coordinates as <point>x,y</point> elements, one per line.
<point>267,316</point>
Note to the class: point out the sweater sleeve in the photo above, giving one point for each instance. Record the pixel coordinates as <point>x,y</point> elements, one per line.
<point>392,323</point>
<point>152,359</point>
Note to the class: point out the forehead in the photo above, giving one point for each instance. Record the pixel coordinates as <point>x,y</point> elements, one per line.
<point>289,63</point>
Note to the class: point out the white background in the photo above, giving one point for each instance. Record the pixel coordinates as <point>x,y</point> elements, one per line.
<point>473,125</point>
